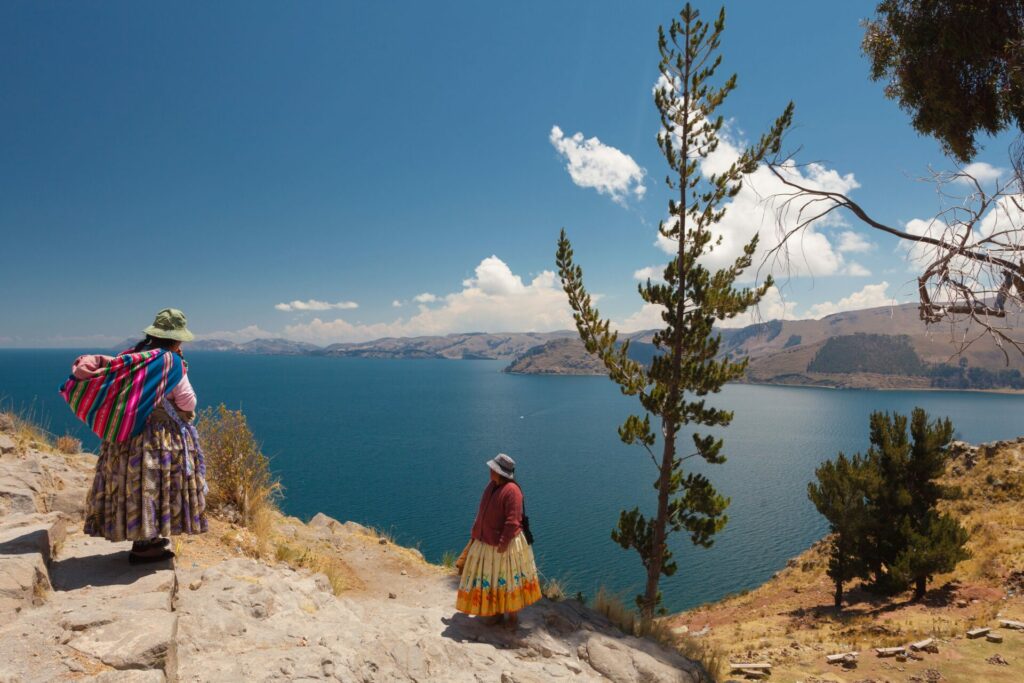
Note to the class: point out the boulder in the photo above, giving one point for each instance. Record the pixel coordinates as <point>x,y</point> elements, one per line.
<point>131,676</point>
<point>23,582</point>
<point>27,543</point>
<point>321,521</point>
<point>38,533</point>
<point>139,640</point>
<point>15,498</point>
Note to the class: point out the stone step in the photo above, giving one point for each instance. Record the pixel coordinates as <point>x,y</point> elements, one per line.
<point>27,544</point>
<point>104,619</point>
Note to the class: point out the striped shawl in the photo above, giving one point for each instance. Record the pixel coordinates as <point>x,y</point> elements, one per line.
<point>116,399</point>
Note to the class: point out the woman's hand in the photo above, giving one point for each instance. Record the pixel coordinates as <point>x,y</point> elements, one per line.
<point>502,548</point>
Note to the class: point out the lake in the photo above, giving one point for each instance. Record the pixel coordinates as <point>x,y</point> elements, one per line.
<point>401,444</point>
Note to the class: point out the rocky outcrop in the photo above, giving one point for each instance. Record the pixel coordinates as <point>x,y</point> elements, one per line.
<point>557,357</point>
<point>569,357</point>
<point>72,608</point>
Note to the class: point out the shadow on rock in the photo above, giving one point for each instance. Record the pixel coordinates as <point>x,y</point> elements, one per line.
<point>34,541</point>
<point>110,569</point>
<point>463,628</point>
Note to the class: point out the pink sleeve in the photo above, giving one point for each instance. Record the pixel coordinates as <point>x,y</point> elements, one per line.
<point>89,366</point>
<point>183,395</point>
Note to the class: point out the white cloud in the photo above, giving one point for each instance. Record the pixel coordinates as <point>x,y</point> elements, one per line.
<point>811,252</point>
<point>871,296</point>
<point>1003,224</point>
<point>396,304</point>
<point>919,254</point>
<point>647,318</point>
<point>1006,217</point>
<point>655,273</point>
<point>857,270</point>
<point>854,243</point>
<point>315,305</point>
<point>60,341</point>
<point>773,306</point>
<point>591,163</point>
<point>493,300</point>
<point>982,172</point>
<point>245,334</point>
<point>425,298</point>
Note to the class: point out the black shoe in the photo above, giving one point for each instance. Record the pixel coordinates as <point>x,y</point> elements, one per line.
<point>139,546</point>
<point>134,558</point>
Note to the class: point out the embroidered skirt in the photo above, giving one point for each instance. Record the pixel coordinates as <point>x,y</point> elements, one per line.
<point>495,583</point>
<point>149,486</point>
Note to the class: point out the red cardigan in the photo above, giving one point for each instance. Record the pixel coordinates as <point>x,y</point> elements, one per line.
<point>500,516</point>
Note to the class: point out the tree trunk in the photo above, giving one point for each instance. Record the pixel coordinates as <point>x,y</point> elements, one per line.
<point>839,596</point>
<point>920,587</point>
<point>670,422</point>
<point>660,524</point>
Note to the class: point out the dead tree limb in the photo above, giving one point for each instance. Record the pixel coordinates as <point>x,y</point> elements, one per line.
<point>970,255</point>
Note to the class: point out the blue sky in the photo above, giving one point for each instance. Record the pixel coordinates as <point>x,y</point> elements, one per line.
<point>231,158</point>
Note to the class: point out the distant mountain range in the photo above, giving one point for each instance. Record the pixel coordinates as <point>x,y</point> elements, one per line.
<point>464,346</point>
<point>887,347</point>
<point>878,348</point>
<point>275,347</point>
<point>467,346</point>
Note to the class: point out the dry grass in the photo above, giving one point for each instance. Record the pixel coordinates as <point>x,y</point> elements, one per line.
<point>40,589</point>
<point>242,487</point>
<point>382,534</point>
<point>448,559</point>
<point>704,651</point>
<point>69,445</point>
<point>611,606</point>
<point>789,620</point>
<point>303,556</point>
<point>553,589</point>
<point>712,658</point>
<point>25,429</point>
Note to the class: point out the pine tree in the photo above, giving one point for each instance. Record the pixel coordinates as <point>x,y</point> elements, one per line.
<point>839,495</point>
<point>908,541</point>
<point>686,367</point>
<point>887,497</point>
<point>934,543</point>
<point>937,546</point>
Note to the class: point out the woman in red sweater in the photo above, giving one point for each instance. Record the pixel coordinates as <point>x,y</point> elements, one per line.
<point>499,575</point>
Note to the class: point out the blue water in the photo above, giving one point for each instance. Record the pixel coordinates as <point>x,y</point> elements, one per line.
<point>401,445</point>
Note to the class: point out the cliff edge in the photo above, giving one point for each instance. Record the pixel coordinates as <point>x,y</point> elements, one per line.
<point>72,608</point>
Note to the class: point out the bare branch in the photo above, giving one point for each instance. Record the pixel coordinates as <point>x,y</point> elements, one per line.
<point>971,255</point>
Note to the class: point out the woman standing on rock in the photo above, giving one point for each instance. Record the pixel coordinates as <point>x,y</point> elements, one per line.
<point>499,576</point>
<point>150,480</point>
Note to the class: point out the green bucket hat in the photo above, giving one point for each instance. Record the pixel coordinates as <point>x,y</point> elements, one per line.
<point>170,324</point>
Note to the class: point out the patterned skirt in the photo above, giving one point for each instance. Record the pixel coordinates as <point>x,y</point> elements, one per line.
<point>495,583</point>
<point>149,486</point>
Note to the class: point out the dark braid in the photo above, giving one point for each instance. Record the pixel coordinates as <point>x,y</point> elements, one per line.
<point>151,342</point>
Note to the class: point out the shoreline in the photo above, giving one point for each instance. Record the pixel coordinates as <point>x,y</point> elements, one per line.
<point>1007,391</point>
<point>1004,391</point>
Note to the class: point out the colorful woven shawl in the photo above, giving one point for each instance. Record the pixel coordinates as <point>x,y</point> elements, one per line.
<point>118,398</point>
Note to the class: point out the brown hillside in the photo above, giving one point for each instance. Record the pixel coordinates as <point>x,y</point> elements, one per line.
<point>934,344</point>
<point>790,623</point>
